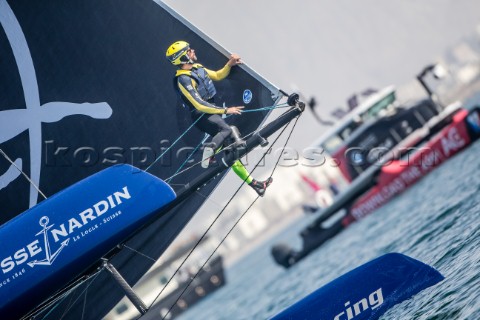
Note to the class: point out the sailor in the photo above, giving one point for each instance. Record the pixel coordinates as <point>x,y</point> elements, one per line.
<point>194,84</point>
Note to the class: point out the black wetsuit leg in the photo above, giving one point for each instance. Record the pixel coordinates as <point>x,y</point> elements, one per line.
<point>215,126</point>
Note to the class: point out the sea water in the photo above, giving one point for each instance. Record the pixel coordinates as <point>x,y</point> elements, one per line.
<point>437,221</point>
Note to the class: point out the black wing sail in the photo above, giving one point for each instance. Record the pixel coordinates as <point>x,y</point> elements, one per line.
<point>85,86</point>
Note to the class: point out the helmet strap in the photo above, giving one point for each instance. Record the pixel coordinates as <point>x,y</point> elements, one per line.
<point>185,60</point>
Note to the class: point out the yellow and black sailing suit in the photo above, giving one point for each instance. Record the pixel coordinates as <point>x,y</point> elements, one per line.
<point>197,91</point>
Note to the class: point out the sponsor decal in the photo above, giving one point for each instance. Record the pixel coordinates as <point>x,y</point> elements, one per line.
<point>56,237</point>
<point>452,141</point>
<point>357,157</point>
<point>429,159</point>
<point>473,120</point>
<point>374,300</point>
<point>247,96</point>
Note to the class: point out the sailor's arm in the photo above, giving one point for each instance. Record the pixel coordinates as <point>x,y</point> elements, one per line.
<point>224,72</point>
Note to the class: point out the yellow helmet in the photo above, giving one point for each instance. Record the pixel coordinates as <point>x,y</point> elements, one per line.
<point>177,53</point>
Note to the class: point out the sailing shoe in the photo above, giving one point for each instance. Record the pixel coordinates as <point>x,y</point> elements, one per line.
<point>239,142</point>
<point>261,186</point>
<point>207,158</point>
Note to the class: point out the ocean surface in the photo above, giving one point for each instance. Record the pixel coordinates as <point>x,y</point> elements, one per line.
<point>437,221</point>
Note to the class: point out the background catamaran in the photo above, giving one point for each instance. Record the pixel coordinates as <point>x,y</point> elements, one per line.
<point>383,147</point>
<point>87,87</point>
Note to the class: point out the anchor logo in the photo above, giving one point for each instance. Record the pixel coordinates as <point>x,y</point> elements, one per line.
<point>49,257</point>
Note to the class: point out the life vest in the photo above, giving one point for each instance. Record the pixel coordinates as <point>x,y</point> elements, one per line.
<point>205,87</point>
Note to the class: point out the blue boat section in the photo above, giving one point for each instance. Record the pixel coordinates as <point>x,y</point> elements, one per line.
<point>367,291</point>
<point>50,244</point>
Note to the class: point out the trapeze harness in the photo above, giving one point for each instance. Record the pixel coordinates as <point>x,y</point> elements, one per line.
<point>197,92</point>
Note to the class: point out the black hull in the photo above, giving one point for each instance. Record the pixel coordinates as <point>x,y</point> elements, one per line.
<point>316,234</point>
<point>364,174</point>
<point>312,237</point>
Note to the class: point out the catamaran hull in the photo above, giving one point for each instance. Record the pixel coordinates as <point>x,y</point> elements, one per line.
<point>392,179</point>
<point>366,292</point>
<point>399,175</point>
<point>52,243</point>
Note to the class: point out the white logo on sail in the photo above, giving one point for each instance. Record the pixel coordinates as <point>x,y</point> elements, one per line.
<point>15,121</point>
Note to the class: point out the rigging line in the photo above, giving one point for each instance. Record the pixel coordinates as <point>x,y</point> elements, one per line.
<point>282,105</point>
<point>288,138</point>
<point>188,158</point>
<point>184,170</point>
<point>211,225</point>
<point>275,166</point>
<point>212,201</point>
<point>221,151</point>
<point>178,139</point>
<point>23,173</point>
<point>69,303</point>
<point>197,163</point>
<point>84,290</point>
<point>178,172</point>
<point>84,304</point>
<point>35,312</point>
<point>236,223</point>
<point>193,124</point>
<point>277,106</point>
<point>60,298</point>
<point>204,234</point>
<point>140,253</point>
<point>208,259</point>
